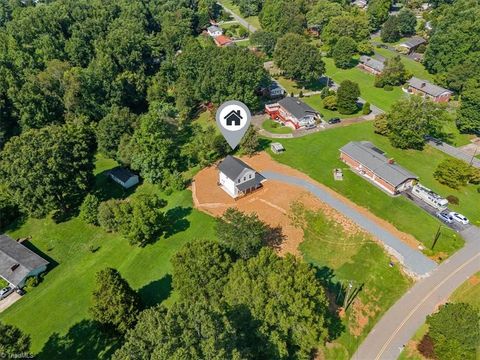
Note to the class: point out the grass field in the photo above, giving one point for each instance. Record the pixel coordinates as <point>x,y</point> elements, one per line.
<point>316,102</point>
<point>342,258</point>
<point>412,66</point>
<point>276,128</point>
<point>3,283</point>
<point>376,96</point>
<point>455,138</point>
<point>317,155</point>
<point>293,87</point>
<point>55,313</point>
<point>252,20</point>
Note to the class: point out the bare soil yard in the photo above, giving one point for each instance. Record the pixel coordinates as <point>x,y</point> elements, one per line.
<point>272,202</point>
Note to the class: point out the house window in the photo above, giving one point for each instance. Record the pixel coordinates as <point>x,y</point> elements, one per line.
<point>244,178</point>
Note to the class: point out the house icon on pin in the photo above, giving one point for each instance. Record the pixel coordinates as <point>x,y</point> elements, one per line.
<point>233,118</point>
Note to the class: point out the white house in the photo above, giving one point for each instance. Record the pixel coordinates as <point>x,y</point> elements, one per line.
<point>237,178</point>
<point>124,177</point>
<point>17,262</point>
<point>214,31</point>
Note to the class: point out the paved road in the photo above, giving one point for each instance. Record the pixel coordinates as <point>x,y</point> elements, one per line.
<point>455,152</point>
<point>413,261</point>
<point>403,319</point>
<point>241,20</point>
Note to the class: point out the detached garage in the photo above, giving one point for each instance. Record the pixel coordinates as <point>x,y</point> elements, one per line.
<point>18,262</point>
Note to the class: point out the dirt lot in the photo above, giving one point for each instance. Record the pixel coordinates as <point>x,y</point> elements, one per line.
<point>272,202</point>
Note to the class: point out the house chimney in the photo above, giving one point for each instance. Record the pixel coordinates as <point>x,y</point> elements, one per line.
<point>423,84</point>
<point>391,161</point>
<point>14,267</point>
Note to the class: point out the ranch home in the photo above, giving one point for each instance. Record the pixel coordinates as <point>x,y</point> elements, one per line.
<point>17,262</point>
<point>214,31</point>
<point>237,178</point>
<point>371,65</point>
<point>411,44</point>
<point>293,112</point>
<point>428,90</point>
<point>369,161</point>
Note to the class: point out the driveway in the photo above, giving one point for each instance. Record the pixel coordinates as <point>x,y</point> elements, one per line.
<point>413,261</point>
<point>241,20</point>
<point>401,321</point>
<point>8,301</point>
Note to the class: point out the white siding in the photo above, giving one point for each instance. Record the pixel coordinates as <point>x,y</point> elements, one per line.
<point>228,185</point>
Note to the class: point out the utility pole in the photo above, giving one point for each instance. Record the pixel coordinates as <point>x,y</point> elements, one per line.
<point>347,295</point>
<point>437,235</point>
<point>473,156</point>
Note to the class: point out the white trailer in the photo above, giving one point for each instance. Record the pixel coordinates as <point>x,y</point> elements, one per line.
<point>430,197</point>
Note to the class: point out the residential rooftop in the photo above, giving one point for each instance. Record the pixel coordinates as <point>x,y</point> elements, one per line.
<point>296,107</point>
<point>373,63</point>
<point>427,87</point>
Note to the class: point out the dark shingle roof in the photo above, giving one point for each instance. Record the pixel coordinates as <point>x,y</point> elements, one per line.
<point>17,261</point>
<point>427,87</point>
<point>371,62</point>
<point>296,107</point>
<point>233,167</point>
<point>374,159</point>
<point>122,174</point>
<point>413,41</point>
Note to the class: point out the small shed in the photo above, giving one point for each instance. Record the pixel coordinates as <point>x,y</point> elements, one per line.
<point>124,177</point>
<point>277,148</point>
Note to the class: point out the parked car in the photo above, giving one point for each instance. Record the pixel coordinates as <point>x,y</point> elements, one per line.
<point>5,292</point>
<point>459,218</point>
<point>445,217</point>
<point>310,126</point>
<point>334,121</point>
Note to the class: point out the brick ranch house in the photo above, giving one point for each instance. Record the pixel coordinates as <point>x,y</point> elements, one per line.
<point>426,89</point>
<point>370,162</point>
<point>371,65</point>
<point>293,112</point>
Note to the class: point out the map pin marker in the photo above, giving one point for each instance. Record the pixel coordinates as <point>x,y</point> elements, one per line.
<point>233,119</point>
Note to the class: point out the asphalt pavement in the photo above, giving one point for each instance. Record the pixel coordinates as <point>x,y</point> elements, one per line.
<point>241,20</point>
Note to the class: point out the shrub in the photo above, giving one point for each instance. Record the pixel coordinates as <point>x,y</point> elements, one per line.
<point>455,173</point>
<point>366,108</point>
<point>380,125</point>
<point>425,347</point>
<point>300,94</point>
<point>388,88</point>
<point>330,102</point>
<point>325,92</point>
<point>452,199</point>
<point>31,282</point>
<point>365,48</point>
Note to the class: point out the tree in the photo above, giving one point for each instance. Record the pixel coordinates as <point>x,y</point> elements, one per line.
<point>250,143</point>
<point>89,209</point>
<point>390,30</point>
<point>412,119</point>
<point>393,74</point>
<point>456,173</point>
<point>407,22</point>
<point>343,50</point>
<point>347,96</point>
<point>187,331</point>
<point>112,127</point>
<point>354,26</point>
<point>264,40</point>
<point>378,12</point>
<point>13,341</point>
<point>330,102</point>
<point>455,331</point>
<point>115,305</point>
<point>322,12</point>
<point>469,114</point>
<point>366,108</point>
<point>282,16</point>
<point>153,149</point>
<point>365,48</point>
<point>241,233</point>
<point>49,169</point>
<point>199,271</point>
<point>298,59</point>
<point>284,295</point>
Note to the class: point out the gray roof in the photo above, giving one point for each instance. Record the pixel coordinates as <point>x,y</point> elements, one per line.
<point>296,107</point>
<point>413,42</point>
<point>213,28</point>
<point>17,261</point>
<point>374,159</point>
<point>372,63</point>
<point>122,174</point>
<point>427,87</point>
<point>233,167</point>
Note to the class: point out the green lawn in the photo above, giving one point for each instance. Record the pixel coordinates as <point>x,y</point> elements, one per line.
<point>376,96</point>
<point>317,155</point>
<point>276,128</point>
<point>252,20</point>
<point>293,87</point>
<point>341,258</point>
<point>454,137</point>
<point>414,67</point>
<point>316,102</point>
<point>55,313</point>
<point>3,283</point>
